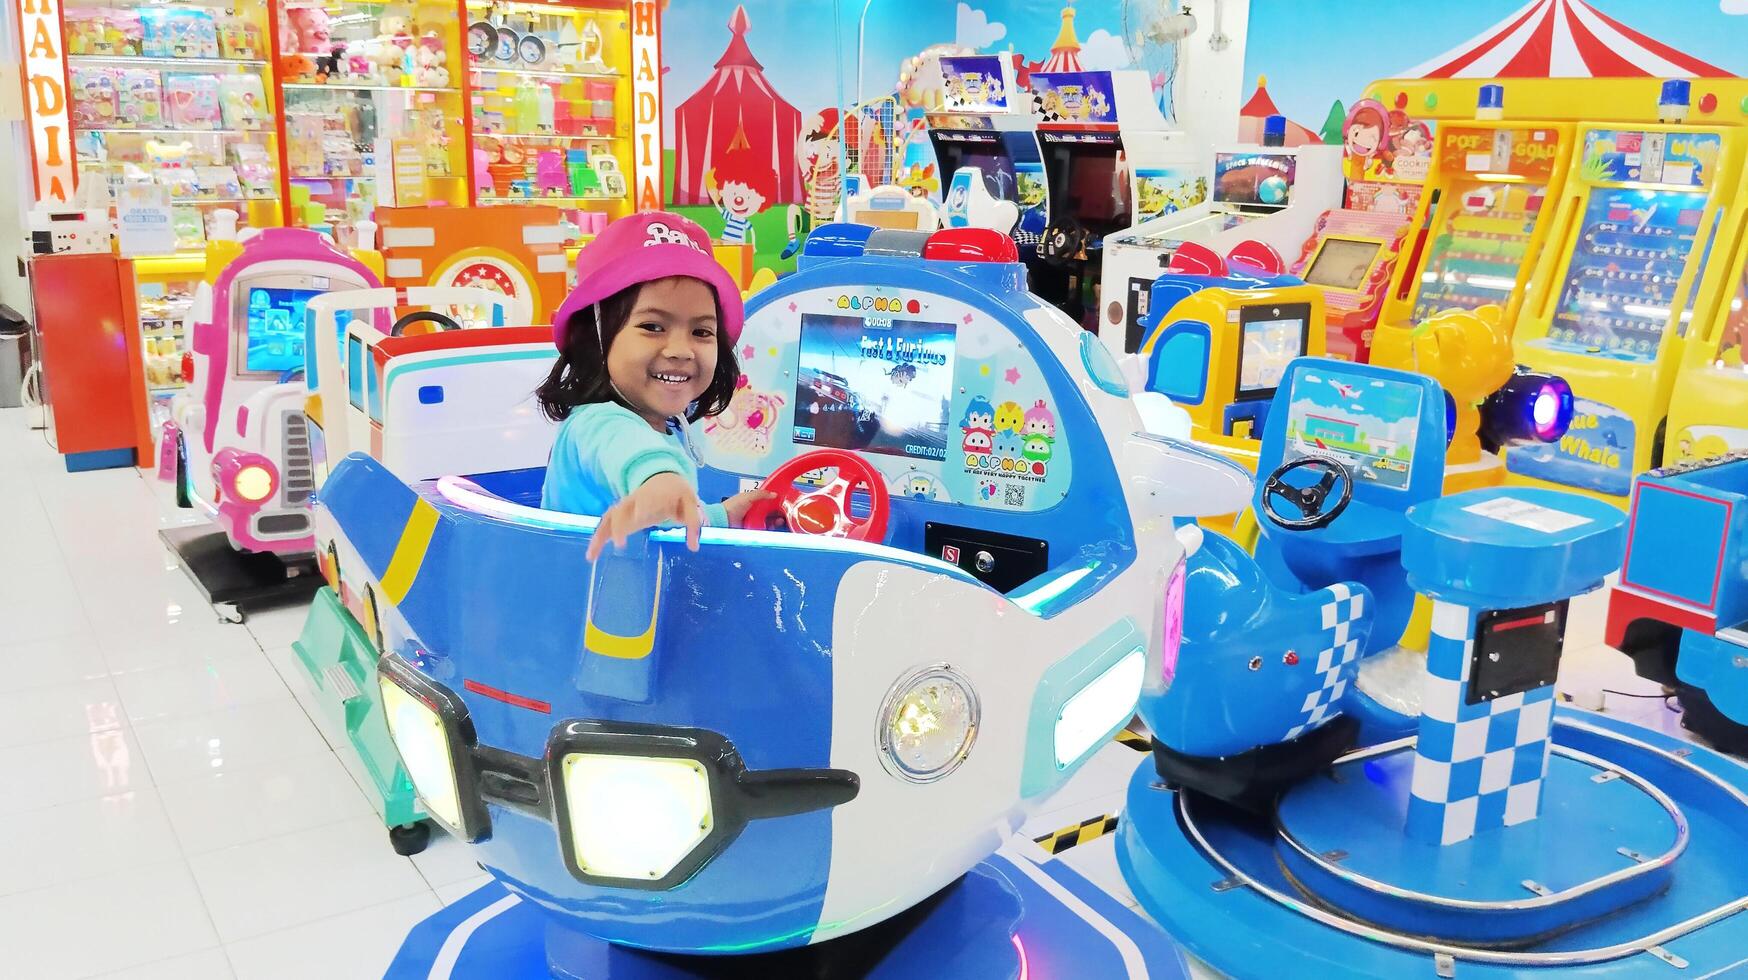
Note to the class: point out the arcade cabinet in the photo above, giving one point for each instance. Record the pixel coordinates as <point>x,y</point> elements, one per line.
<point>1482,221</point>
<point>986,124</point>
<point>1350,256</point>
<point>1616,293</point>
<point>1097,131</point>
<point>1708,409</point>
<point>1270,194</point>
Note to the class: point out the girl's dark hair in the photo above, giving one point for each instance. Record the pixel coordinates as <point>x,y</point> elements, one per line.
<point>580,375</point>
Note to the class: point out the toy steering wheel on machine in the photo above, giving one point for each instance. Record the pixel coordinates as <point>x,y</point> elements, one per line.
<point>1063,241</point>
<point>826,510</point>
<point>405,326</point>
<point>1309,500</point>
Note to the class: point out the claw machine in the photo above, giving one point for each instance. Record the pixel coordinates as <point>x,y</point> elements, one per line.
<point>565,105</point>
<point>1616,292</point>
<point>176,98</point>
<point>373,95</point>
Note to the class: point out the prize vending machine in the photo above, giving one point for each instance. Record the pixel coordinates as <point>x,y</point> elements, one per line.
<point>986,126</point>
<point>564,97</point>
<point>1615,292</point>
<point>373,101</point>
<point>1483,219</point>
<point>1098,131</point>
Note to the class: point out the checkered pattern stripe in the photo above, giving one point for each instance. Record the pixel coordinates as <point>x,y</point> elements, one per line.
<point>1341,608</point>
<point>1476,766</point>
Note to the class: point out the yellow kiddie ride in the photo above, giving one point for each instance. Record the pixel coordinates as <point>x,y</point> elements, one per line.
<point>1708,410</point>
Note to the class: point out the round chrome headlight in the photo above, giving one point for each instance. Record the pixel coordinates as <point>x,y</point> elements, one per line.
<point>927,724</point>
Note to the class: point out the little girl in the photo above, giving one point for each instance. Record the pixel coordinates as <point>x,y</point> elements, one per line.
<point>646,343</point>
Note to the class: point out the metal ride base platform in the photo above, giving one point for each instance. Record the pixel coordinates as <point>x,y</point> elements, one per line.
<point>1013,916</point>
<point>1633,868</point>
<point>242,580</point>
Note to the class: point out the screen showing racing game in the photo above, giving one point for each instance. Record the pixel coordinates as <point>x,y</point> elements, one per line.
<point>874,385</point>
<point>1273,336</point>
<point>1342,263</point>
<point>1622,275</point>
<point>1368,423</point>
<point>275,327</point>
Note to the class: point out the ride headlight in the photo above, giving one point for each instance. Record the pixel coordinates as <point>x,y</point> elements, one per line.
<point>634,817</point>
<point>1102,705</point>
<point>419,734</point>
<point>928,723</point>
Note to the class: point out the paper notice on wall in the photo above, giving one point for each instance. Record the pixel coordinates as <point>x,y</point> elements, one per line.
<point>1524,514</point>
<point>409,174</point>
<point>142,222</point>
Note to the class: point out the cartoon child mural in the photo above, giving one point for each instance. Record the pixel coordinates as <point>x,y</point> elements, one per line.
<point>1365,136</point>
<point>745,184</point>
<point>816,153</point>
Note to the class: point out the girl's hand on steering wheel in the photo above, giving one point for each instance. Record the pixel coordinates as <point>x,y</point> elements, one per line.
<point>666,498</point>
<point>738,505</point>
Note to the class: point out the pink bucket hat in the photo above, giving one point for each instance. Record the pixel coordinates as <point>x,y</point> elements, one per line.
<point>641,248</point>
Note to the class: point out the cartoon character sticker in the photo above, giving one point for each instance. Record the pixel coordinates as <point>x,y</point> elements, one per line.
<point>1365,139</point>
<point>1009,444</point>
<point>979,414</point>
<point>746,426</point>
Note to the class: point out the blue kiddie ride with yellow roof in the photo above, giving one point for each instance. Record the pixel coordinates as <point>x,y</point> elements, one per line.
<point>811,746</point>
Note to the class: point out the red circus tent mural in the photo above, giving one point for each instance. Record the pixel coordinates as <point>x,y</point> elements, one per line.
<point>1260,107</point>
<point>736,106</point>
<point>1562,39</point>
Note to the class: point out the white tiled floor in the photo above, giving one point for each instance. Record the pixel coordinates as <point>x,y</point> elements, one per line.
<point>170,809</point>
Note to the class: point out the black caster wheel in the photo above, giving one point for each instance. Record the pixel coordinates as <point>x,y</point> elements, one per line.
<point>410,839</point>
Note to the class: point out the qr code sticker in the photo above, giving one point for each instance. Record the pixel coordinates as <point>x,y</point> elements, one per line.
<point>1014,496</point>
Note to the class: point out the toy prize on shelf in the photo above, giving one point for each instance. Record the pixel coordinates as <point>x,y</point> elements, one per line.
<point>373,113</point>
<point>551,116</point>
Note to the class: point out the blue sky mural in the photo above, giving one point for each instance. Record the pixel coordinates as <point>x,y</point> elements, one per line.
<point>1030,26</point>
<point>1293,41</point>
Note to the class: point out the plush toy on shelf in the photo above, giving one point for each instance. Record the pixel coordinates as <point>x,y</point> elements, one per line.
<point>430,62</point>
<point>304,38</point>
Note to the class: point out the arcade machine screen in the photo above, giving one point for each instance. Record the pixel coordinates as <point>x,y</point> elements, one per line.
<point>985,151</point>
<point>1273,336</point>
<point>1368,423</point>
<point>1089,182</point>
<point>1481,243</point>
<point>1342,263</point>
<point>1621,278</point>
<point>275,328</point>
<point>874,385</point>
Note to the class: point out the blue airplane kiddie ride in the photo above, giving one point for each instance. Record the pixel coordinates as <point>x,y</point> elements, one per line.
<point>1282,831</point>
<point>812,749</point>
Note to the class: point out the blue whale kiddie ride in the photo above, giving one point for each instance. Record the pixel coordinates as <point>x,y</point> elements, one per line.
<point>810,748</point>
<point>1282,831</point>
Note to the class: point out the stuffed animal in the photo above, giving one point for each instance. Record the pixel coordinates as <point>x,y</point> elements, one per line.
<point>308,30</point>
<point>396,29</point>
<point>429,61</point>
<point>389,61</point>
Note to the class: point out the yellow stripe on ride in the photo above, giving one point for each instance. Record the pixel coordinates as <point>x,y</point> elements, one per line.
<point>598,640</point>
<point>403,568</point>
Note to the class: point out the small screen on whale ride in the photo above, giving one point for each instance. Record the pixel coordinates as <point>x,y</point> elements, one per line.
<point>874,384</point>
<point>276,328</point>
<point>1370,424</point>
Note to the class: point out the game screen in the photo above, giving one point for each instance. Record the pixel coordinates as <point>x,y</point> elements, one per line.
<point>276,329</point>
<point>874,385</point>
<point>1269,346</point>
<point>1089,181</point>
<point>1254,179</point>
<point>1342,263</point>
<point>1481,242</point>
<point>1620,280</point>
<point>1368,423</point>
<point>992,159</point>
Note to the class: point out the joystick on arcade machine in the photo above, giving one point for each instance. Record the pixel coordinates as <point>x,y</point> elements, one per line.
<point>1644,208</point>
<point>986,125</point>
<point>1096,129</point>
<point>1271,194</point>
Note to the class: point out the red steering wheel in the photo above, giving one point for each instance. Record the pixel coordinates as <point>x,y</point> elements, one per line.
<point>826,510</point>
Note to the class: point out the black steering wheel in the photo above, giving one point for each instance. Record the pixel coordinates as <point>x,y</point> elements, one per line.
<point>440,321</point>
<point>1309,500</point>
<point>1063,242</point>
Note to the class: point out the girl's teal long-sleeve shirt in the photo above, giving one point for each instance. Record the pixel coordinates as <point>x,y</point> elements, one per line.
<point>603,452</point>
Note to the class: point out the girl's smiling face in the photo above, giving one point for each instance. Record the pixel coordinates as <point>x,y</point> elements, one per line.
<point>1363,139</point>
<point>664,357</point>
